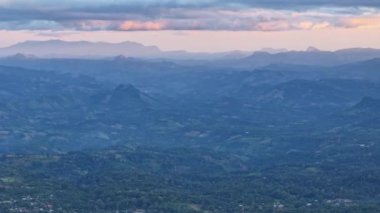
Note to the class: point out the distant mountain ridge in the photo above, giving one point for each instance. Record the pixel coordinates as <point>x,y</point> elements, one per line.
<point>58,48</point>
<point>86,49</point>
<point>311,57</point>
<point>239,59</point>
<point>367,104</point>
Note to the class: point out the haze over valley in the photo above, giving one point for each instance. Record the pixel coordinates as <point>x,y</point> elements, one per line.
<point>147,106</point>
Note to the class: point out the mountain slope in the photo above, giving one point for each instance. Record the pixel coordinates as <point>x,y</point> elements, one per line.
<point>58,48</point>
<point>313,58</point>
<point>84,49</point>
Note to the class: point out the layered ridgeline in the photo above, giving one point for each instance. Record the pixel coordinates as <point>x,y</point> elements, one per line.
<point>85,49</point>
<point>239,59</point>
<point>117,134</point>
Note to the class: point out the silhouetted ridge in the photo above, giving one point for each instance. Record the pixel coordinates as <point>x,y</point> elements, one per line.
<point>125,92</point>
<point>312,49</point>
<point>126,96</point>
<point>368,104</point>
<point>123,58</point>
<point>20,56</point>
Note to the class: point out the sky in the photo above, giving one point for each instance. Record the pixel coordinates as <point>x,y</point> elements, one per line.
<point>196,25</point>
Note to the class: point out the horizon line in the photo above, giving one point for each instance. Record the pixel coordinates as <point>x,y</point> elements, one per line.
<point>264,49</point>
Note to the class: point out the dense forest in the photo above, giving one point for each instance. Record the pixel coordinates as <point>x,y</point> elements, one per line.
<point>131,135</point>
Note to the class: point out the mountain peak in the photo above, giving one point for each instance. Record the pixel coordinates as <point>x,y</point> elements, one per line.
<point>20,56</point>
<point>368,103</point>
<point>123,58</point>
<point>127,89</point>
<point>125,92</point>
<point>126,96</point>
<point>312,49</point>
<point>273,50</point>
<point>80,49</point>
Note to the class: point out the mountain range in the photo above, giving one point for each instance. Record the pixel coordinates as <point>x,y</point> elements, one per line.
<point>132,128</point>
<point>238,59</point>
<point>85,49</point>
<point>119,133</point>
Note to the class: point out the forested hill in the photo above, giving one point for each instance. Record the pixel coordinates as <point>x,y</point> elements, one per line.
<point>127,134</point>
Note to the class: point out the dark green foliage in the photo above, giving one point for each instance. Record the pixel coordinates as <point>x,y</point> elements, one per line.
<point>188,139</point>
<point>185,180</point>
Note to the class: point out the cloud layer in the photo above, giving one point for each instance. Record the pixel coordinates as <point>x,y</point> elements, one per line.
<point>154,15</point>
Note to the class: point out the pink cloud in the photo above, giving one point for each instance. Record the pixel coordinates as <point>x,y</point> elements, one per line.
<point>138,25</point>
<point>363,22</point>
<point>211,19</point>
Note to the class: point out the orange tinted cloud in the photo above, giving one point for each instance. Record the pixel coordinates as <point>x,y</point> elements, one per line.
<point>309,25</point>
<point>138,25</point>
<point>364,22</point>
